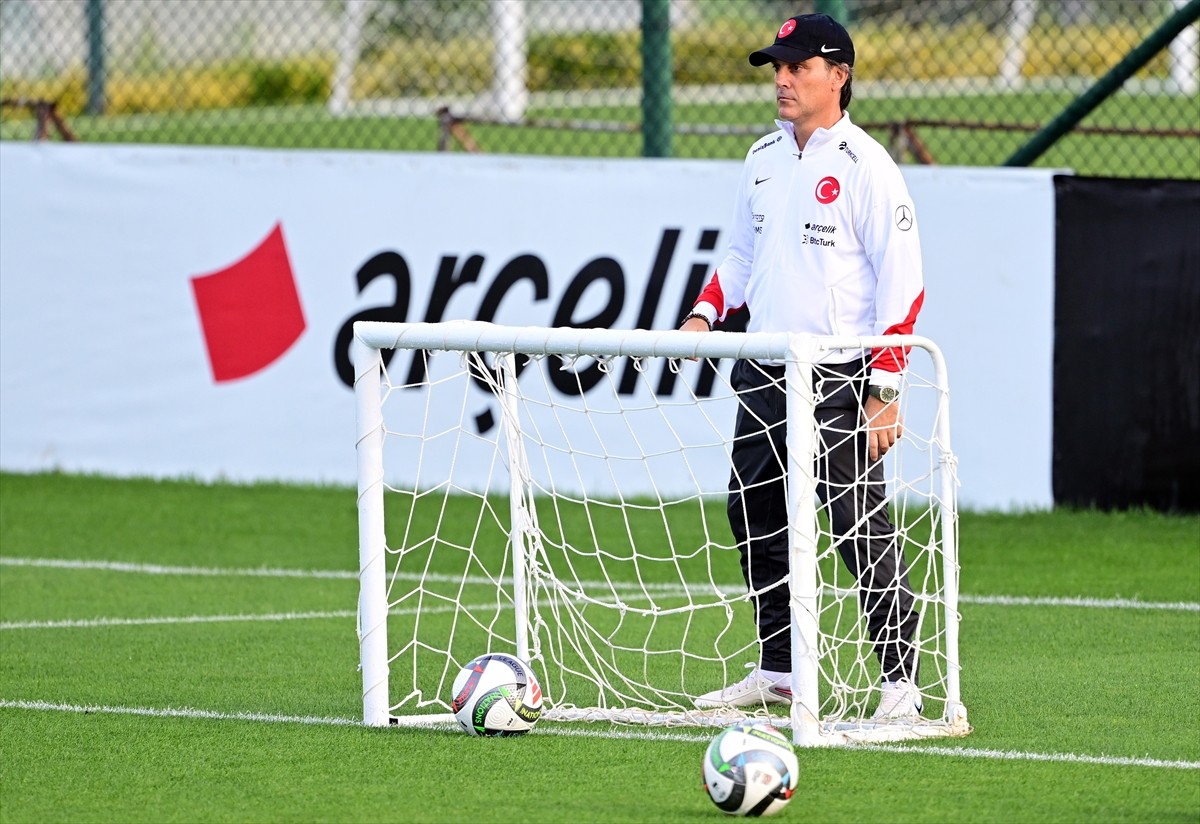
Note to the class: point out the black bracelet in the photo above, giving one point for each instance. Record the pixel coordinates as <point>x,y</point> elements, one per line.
<point>700,315</point>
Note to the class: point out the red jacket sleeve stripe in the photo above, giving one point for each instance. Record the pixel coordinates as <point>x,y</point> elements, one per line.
<point>895,358</point>
<point>714,294</point>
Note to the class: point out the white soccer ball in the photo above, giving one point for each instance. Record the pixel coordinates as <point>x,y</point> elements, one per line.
<point>496,694</point>
<point>750,769</point>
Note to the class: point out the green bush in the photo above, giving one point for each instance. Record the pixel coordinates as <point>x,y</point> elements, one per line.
<point>717,55</point>
<point>425,68</point>
<point>588,60</point>
<point>289,82</point>
<point>216,86</point>
<point>711,54</point>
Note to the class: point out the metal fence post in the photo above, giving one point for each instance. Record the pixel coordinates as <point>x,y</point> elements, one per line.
<point>656,78</point>
<point>95,57</point>
<point>834,8</point>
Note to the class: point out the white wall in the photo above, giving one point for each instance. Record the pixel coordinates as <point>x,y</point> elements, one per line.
<point>103,364</point>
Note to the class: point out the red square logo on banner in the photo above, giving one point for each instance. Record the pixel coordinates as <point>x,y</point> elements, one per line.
<point>250,311</point>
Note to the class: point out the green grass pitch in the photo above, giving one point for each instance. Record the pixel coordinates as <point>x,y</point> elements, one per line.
<point>226,697</point>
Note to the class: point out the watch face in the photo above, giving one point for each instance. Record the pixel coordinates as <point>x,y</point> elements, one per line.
<point>887,394</point>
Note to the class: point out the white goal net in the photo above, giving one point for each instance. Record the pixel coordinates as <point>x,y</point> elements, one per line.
<point>564,495</point>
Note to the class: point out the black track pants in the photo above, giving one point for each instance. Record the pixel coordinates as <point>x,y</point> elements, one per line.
<point>857,510</point>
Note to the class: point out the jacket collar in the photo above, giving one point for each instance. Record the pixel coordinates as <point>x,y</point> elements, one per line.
<point>821,136</point>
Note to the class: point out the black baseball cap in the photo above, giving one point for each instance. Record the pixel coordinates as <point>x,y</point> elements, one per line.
<point>805,36</point>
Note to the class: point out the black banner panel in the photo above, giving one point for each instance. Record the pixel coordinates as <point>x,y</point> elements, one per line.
<point>1127,343</point>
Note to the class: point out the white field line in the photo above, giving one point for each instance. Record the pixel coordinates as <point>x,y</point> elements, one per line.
<point>184,712</point>
<point>1059,757</point>
<point>1096,603</point>
<point>658,588</point>
<point>157,569</point>
<point>274,572</point>
<point>87,623</point>
<point>84,623</point>
<point>578,732</point>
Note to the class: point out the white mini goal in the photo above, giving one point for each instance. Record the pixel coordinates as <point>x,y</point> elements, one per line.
<point>561,494</point>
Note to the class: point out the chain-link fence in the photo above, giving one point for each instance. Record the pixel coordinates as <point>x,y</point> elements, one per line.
<point>956,82</point>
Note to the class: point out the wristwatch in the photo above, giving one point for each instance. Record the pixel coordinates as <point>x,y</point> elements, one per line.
<point>887,394</point>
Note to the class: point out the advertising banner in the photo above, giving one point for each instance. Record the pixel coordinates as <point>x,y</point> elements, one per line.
<point>179,311</point>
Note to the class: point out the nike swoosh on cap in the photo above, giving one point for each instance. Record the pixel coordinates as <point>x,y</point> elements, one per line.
<point>827,51</point>
<point>759,180</point>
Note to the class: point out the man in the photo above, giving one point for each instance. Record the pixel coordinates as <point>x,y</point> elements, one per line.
<point>823,241</point>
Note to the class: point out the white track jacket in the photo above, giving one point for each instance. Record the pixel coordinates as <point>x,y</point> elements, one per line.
<point>823,242</point>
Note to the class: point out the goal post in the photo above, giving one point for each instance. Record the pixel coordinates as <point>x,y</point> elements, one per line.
<point>560,494</point>
<point>802,542</point>
<point>372,546</point>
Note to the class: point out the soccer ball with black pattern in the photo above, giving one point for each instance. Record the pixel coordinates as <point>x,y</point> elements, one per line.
<point>496,695</point>
<point>750,769</point>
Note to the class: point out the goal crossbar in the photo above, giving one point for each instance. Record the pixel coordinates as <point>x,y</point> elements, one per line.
<point>639,343</point>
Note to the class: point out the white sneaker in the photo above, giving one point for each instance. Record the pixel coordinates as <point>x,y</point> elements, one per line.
<point>898,699</point>
<point>753,690</point>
